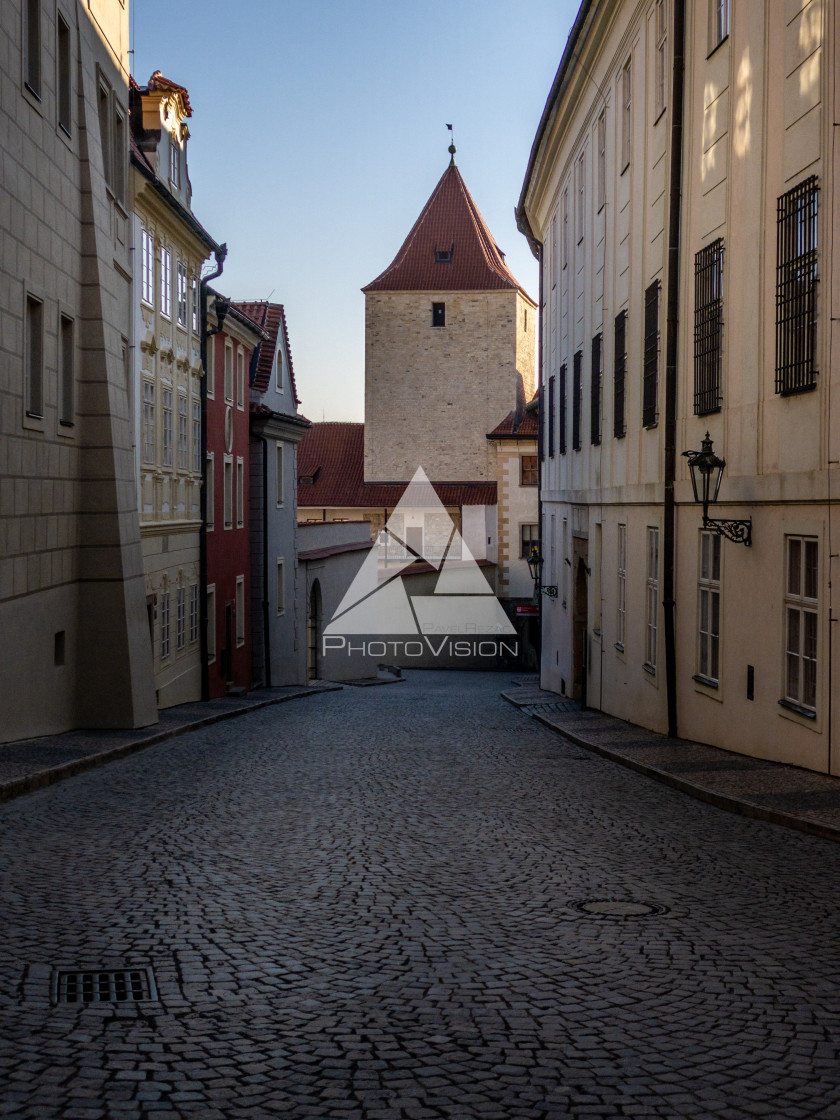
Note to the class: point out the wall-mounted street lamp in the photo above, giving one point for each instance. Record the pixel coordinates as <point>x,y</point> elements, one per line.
<point>709,468</point>
<point>535,564</point>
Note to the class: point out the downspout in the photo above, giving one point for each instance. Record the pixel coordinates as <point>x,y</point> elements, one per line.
<point>537,247</point>
<point>671,352</point>
<point>220,253</point>
<point>265,601</point>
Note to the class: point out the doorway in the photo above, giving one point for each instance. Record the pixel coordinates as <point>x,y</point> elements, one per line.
<point>580,616</point>
<point>313,627</point>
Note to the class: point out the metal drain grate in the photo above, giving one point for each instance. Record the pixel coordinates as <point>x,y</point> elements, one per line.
<point>125,985</point>
<point>618,908</point>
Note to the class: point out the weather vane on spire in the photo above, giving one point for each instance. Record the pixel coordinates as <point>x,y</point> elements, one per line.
<point>451,146</point>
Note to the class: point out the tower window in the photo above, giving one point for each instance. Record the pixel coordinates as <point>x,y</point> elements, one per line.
<point>438,314</point>
<point>443,256</point>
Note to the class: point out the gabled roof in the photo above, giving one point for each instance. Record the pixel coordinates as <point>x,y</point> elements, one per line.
<point>272,318</point>
<point>333,454</point>
<point>526,427</point>
<point>450,223</point>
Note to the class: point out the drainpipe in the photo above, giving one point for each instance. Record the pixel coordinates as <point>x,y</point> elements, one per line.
<point>671,351</point>
<point>265,601</point>
<point>537,247</point>
<point>220,253</point>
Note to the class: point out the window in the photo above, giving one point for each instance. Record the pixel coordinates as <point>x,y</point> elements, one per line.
<point>183,444</point>
<point>211,622</point>
<point>66,371</point>
<point>438,314</point>
<point>278,473</point>
<point>167,427</point>
<point>240,493</point>
<point>626,114</point>
<point>577,394</point>
<point>228,373</point>
<point>595,393</point>
<point>529,471</point>
<point>240,378</point>
<point>240,610</point>
<point>148,421</point>
<point>565,227</point>
<point>180,617</point>
<point>621,596</point>
<point>228,493</point>
<point>196,436</point>
<point>650,386</point>
<point>581,196</point>
<point>551,417</point>
<point>211,368</point>
<point>661,56</point>
<point>619,374</point>
<point>555,255</point>
<point>210,504</point>
<point>652,602</point>
<point>193,613</point>
<point>718,22</point>
<point>103,105</point>
<point>278,368</point>
<point>602,159</point>
<point>34,361</point>
<point>708,608</point>
<point>561,417</point>
<point>147,267</point>
<point>32,46</point>
<point>174,162</point>
<point>444,256</point>
<point>166,282</point>
<point>64,75</point>
<point>118,156</point>
<point>281,587</point>
<point>708,327</point>
<point>529,536</point>
<point>801,612</point>
<point>194,305</point>
<point>164,625</point>
<point>796,288</point>
<point>182,293</point>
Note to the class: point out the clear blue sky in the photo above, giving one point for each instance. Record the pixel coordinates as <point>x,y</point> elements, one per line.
<point>319,131</point>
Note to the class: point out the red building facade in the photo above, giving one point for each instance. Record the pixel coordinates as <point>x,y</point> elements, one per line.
<point>229,353</point>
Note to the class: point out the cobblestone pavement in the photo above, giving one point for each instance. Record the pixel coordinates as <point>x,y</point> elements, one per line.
<point>363,909</point>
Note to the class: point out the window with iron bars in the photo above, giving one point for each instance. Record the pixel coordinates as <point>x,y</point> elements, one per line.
<point>577,392</point>
<point>619,375</point>
<point>708,328</point>
<point>561,418</point>
<point>595,393</point>
<point>796,288</point>
<point>650,382</point>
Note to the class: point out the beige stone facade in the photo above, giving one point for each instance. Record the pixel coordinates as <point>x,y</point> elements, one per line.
<point>170,248</point>
<point>71,587</point>
<point>518,516</point>
<point>753,666</point>
<point>433,392</point>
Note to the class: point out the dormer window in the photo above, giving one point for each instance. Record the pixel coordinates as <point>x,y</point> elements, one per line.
<point>174,162</point>
<point>444,256</point>
<point>278,367</point>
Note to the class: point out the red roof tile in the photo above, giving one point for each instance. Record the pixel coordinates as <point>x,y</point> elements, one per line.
<point>157,82</point>
<point>334,455</point>
<point>450,222</point>
<point>272,318</point>
<point>527,428</point>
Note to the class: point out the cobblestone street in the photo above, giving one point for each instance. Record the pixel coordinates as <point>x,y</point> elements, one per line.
<point>362,907</point>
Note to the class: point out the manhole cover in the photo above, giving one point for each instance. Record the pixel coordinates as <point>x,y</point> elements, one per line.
<point>129,985</point>
<point>619,908</point>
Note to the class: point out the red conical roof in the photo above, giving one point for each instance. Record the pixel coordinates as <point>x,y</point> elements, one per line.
<point>449,224</point>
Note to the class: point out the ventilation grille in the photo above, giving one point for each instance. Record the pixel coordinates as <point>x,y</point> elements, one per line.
<point>129,985</point>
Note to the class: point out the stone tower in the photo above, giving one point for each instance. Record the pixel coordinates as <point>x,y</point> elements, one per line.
<point>449,346</point>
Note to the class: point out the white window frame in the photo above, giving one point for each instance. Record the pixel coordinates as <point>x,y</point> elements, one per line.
<point>166,282</point>
<point>166,425</point>
<point>228,372</point>
<point>279,477</point>
<point>240,611</point>
<point>708,607</point>
<point>194,620</point>
<point>174,161</point>
<point>240,379</point>
<point>180,618</point>
<point>652,599</point>
<point>149,421</point>
<point>626,114</point>
<point>718,23</point>
<point>181,272</point>
<point>210,504</point>
<point>227,486</point>
<point>147,267</point>
<point>196,435</point>
<point>802,603</point>
<point>240,492</point>
<point>194,324</point>
<point>183,432</point>
<point>164,625</point>
<point>621,588</point>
